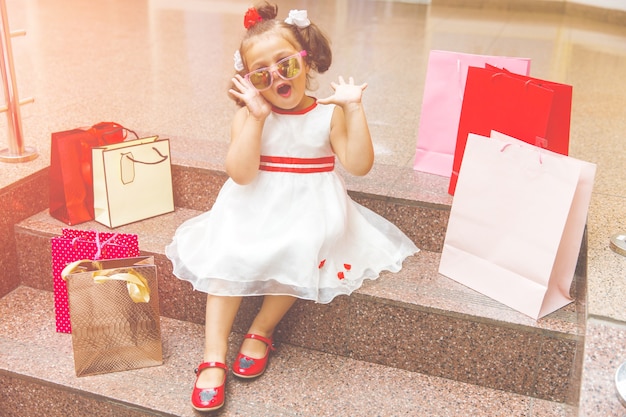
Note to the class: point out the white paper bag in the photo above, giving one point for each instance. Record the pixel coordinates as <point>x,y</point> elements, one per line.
<point>517,222</point>
<point>132,181</point>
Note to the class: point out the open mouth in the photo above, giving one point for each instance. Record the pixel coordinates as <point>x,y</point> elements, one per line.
<point>284,90</point>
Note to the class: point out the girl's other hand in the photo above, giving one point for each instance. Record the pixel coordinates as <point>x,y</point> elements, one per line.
<point>258,107</point>
<point>345,93</point>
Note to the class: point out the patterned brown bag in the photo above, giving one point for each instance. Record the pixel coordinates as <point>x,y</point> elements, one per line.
<point>114,307</point>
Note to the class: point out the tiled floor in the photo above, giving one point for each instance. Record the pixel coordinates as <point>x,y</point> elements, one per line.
<point>162,67</point>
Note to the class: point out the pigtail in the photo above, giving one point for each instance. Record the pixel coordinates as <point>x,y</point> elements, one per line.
<point>319,55</point>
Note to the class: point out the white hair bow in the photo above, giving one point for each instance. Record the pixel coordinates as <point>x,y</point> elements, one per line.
<point>238,60</point>
<point>298,18</point>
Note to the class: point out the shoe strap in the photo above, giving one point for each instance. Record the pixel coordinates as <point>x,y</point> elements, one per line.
<point>263,339</point>
<point>205,365</point>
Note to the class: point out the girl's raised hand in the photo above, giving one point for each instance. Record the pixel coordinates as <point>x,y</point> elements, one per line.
<point>245,91</point>
<point>345,93</point>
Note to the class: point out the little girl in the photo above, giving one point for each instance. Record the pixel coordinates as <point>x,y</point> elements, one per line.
<point>283,225</point>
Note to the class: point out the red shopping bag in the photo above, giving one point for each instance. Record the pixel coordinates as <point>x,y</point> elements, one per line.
<point>75,245</point>
<point>441,105</point>
<point>557,132</point>
<point>71,189</point>
<point>535,111</point>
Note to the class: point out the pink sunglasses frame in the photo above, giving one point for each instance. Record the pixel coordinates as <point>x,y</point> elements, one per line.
<point>274,68</point>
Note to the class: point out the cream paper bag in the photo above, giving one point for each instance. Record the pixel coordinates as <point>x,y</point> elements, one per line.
<point>517,222</point>
<point>132,181</point>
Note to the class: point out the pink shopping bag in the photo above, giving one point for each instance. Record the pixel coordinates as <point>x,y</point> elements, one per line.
<point>441,105</point>
<point>74,245</point>
<point>517,222</point>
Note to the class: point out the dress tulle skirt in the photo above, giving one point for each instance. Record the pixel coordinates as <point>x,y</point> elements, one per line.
<point>286,234</point>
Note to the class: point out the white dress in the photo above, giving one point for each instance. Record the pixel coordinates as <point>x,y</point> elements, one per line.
<point>288,233</point>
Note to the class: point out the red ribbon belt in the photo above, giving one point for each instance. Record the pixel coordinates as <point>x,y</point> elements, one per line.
<point>297,165</point>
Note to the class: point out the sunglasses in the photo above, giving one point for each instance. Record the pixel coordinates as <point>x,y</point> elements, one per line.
<point>287,68</point>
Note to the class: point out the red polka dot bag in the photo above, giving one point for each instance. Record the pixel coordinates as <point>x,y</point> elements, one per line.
<point>75,245</point>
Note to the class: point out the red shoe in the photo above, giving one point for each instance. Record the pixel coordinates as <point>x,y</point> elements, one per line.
<point>247,367</point>
<point>208,399</point>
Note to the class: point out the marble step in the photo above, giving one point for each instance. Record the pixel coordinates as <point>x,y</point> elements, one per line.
<point>37,364</point>
<point>415,321</point>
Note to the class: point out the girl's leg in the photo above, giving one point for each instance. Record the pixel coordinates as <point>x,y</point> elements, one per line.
<point>272,310</point>
<point>220,315</point>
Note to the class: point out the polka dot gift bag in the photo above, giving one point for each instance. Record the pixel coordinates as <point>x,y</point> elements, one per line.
<point>75,245</point>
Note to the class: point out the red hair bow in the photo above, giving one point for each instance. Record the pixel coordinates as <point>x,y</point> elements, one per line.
<point>251,18</point>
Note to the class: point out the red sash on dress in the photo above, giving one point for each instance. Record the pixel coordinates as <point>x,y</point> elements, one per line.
<point>297,165</point>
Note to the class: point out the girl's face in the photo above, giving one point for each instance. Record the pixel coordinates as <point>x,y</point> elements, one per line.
<point>284,94</point>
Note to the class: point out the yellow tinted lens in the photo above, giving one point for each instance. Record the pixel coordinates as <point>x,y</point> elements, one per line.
<point>260,79</point>
<point>289,68</point>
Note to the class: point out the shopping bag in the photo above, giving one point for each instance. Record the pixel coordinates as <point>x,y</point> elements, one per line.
<point>115,314</point>
<point>557,133</point>
<point>71,191</point>
<point>441,105</point>
<point>516,223</point>
<point>75,245</point>
<point>132,181</point>
<point>533,110</point>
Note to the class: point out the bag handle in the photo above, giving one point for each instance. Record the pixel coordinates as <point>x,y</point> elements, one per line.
<point>108,133</point>
<point>99,245</point>
<point>127,170</point>
<point>137,285</point>
<point>530,81</point>
<point>163,158</point>
<point>537,147</point>
<point>459,73</point>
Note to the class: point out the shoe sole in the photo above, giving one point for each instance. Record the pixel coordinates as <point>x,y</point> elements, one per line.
<point>206,410</point>
<point>248,376</point>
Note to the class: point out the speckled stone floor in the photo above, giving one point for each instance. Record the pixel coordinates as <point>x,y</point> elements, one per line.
<point>292,388</point>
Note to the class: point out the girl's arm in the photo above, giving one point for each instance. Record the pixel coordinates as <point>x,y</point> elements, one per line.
<point>349,134</point>
<point>244,153</point>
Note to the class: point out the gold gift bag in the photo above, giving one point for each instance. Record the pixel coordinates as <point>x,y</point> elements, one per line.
<point>114,307</point>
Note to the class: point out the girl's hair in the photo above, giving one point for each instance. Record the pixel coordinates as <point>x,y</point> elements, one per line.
<point>310,38</point>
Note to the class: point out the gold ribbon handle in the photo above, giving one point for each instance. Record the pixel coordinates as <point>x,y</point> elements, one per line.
<point>137,285</point>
